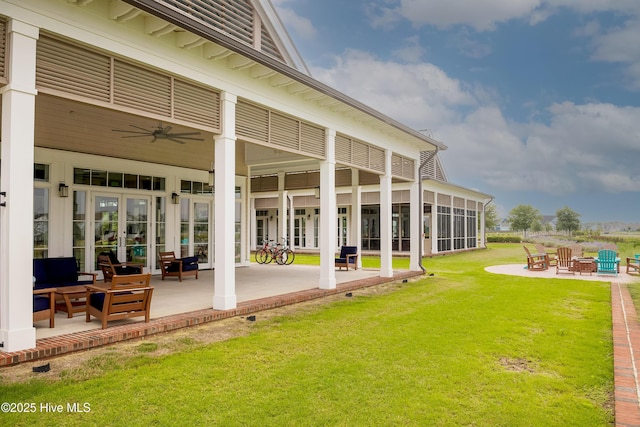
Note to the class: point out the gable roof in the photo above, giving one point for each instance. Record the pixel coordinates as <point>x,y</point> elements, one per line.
<point>173,12</point>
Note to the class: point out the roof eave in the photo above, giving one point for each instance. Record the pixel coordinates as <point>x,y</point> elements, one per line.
<point>163,12</point>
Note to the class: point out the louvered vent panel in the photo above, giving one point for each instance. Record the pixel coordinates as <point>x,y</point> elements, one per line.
<point>376,159</point>
<point>429,197</point>
<point>252,122</point>
<point>312,139</point>
<point>396,165</point>
<point>234,17</point>
<point>360,154</point>
<point>268,45</point>
<point>438,174</point>
<point>284,131</point>
<point>72,69</point>
<point>471,205</point>
<point>343,149</point>
<point>196,104</point>
<point>408,168</point>
<point>3,48</point>
<point>444,200</point>
<point>458,202</point>
<point>143,89</point>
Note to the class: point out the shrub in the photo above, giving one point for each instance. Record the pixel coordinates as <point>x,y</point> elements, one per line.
<point>504,239</point>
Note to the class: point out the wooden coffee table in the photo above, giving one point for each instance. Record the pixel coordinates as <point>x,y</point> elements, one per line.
<point>74,298</point>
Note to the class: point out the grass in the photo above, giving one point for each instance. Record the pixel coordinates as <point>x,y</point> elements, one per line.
<point>463,347</point>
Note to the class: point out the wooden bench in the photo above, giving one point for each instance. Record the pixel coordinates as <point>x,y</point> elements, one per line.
<point>129,296</point>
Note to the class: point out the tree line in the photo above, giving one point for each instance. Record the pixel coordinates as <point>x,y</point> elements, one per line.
<point>527,218</point>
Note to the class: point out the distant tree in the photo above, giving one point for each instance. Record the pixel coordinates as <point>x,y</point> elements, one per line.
<point>536,225</point>
<point>568,220</point>
<point>522,217</point>
<point>491,219</point>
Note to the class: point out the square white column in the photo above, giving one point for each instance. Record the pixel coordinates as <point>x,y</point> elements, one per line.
<point>16,217</point>
<point>386,256</point>
<point>328,215</point>
<point>356,214</point>
<point>225,186</point>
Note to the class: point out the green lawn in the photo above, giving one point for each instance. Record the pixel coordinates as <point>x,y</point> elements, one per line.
<point>463,347</point>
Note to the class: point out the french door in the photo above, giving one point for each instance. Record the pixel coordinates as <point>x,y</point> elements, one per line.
<point>196,225</point>
<point>121,224</point>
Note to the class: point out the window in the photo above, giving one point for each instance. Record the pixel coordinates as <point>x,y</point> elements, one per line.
<point>98,178</point>
<point>472,229</point>
<point>458,228</point>
<point>444,228</point>
<point>40,222</point>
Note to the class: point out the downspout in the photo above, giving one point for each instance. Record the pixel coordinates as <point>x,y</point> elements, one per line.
<point>421,206</point>
<point>484,213</point>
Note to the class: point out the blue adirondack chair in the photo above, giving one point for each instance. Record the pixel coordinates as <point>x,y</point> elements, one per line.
<point>608,262</point>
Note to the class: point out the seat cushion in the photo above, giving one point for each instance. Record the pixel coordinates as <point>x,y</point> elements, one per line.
<point>62,271</point>
<point>96,300</point>
<point>123,271</point>
<point>40,303</point>
<point>39,271</point>
<point>190,263</point>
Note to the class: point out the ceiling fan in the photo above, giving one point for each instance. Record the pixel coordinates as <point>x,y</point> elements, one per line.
<point>160,132</point>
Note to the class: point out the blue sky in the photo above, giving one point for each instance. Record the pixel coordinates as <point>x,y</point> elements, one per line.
<point>537,100</point>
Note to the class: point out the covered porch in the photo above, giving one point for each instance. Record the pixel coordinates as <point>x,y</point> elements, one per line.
<point>183,304</point>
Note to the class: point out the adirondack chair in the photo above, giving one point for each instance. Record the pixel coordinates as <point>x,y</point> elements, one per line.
<point>565,261</point>
<point>607,262</point>
<point>633,263</point>
<point>551,256</point>
<point>536,261</point>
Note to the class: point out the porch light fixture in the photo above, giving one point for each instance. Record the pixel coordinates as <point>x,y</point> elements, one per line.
<point>211,175</point>
<point>63,190</point>
<point>175,198</point>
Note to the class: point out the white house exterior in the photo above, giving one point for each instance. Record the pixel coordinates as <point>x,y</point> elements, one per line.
<point>287,155</point>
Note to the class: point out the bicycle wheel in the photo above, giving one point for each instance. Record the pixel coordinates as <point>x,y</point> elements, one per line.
<point>285,257</point>
<point>290,257</point>
<point>263,256</point>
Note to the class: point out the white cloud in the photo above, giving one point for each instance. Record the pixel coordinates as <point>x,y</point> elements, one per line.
<point>301,25</point>
<point>418,94</point>
<point>583,148</point>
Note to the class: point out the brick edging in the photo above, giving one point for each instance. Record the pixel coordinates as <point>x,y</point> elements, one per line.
<point>85,340</point>
<point>626,357</point>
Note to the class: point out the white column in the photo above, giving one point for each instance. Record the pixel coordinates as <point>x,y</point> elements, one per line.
<point>283,205</point>
<point>356,214</point>
<point>483,235</point>
<point>386,257</point>
<point>16,217</point>
<point>434,224</point>
<point>416,210</point>
<point>225,182</point>
<point>328,215</point>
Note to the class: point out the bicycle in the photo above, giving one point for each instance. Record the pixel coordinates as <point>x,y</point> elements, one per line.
<point>285,255</point>
<point>267,253</point>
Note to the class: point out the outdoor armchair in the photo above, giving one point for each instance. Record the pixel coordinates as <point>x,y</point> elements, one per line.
<point>110,266</point>
<point>634,263</point>
<point>170,266</point>
<point>608,262</point>
<point>129,296</point>
<point>44,305</point>
<point>565,261</point>
<point>539,261</point>
<point>348,257</point>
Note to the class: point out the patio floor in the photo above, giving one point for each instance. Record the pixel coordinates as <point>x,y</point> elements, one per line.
<point>177,305</point>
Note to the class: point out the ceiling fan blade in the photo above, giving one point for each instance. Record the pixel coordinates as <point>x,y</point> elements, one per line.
<point>188,138</point>
<point>175,140</point>
<point>183,134</point>
<point>166,130</point>
<point>135,136</point>
<point>141,128</point>
<point>131,131</point>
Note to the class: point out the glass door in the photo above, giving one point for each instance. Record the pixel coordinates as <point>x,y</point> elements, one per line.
<point>121,225</point>
<point>195,230</point>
